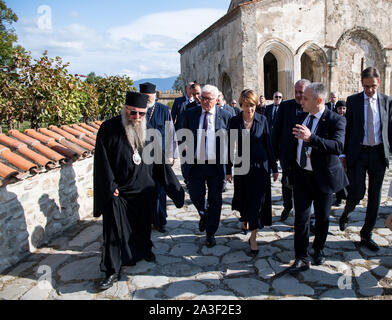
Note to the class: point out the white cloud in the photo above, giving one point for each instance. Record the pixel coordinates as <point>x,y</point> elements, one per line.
<point>148,47</point>
<point>74,14</point>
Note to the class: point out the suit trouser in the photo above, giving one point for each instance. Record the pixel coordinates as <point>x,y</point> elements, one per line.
<point>287,193</point>
<point>199,176</point>
<point>372,161</point>
<point>306,190</point>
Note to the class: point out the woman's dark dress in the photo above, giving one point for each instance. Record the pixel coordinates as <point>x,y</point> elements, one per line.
<point>252,192</point>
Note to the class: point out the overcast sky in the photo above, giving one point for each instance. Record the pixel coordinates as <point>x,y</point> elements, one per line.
<point>138,38</point>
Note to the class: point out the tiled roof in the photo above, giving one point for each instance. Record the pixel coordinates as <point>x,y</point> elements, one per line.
<point>36,151</point>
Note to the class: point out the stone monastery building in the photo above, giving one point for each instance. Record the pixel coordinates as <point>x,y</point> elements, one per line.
<point>267,45</point>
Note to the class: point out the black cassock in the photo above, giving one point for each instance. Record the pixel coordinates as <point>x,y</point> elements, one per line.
<point>126,219</point>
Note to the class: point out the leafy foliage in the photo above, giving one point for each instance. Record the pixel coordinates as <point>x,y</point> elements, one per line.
<point>7,33</point>
<point>111,94</point>
<point>42,91</point>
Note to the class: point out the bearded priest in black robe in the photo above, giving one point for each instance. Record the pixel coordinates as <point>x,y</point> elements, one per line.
<point>124,186</point>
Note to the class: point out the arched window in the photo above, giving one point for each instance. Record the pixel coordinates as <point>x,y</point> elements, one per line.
<point>270,75</point>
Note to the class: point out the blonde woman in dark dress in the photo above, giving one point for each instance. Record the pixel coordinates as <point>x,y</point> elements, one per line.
<point>252,191</point>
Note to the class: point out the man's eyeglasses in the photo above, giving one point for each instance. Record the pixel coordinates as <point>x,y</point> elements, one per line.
<point>205,98</point>
<point>278,97</point>
<point>134,113</point>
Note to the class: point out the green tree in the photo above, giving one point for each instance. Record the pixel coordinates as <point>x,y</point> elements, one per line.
<point>178,84</point>
<point>7,33</point>
<point>111,94</point>
<point>92,78</point>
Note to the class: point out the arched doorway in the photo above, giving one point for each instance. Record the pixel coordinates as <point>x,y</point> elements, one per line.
<point>270,75</point>
<point>277,63</point>
<point>314,65</point>
<point>357,50</point>
<point>226,88</point>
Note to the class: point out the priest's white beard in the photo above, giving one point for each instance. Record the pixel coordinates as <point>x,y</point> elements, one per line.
<point>150,105</point>
<point>136,133</point>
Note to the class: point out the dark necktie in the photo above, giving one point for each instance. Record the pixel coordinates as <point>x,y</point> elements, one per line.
<point>205,128</point>
<point>305,144</point>
<point>274,114</point>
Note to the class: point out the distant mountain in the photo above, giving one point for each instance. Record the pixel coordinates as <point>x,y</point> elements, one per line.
<point>162,84</point>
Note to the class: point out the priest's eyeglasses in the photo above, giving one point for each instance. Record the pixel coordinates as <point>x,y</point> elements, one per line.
<point>134,113</point>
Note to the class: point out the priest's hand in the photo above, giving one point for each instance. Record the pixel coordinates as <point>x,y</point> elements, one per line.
<point>171,162</point>
<point>229,178</point>
<point>275,176</point>
<point>116,193</point>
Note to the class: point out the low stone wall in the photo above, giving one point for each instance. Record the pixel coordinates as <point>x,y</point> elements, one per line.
<point>35,210</point>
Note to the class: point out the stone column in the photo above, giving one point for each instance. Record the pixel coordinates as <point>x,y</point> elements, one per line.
<point>297,69</point>
<point>333,83</point>
<point>388,71</point>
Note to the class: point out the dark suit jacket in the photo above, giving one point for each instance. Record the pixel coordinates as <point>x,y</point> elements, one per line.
<point>177,111</point>
<point>355,130</point>
<point>282,133</point>
<point>191,122</point>
<point>327,144</point>
<point>329,106</point>
<point>269,115</point>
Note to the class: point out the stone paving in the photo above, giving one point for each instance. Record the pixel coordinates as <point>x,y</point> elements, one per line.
<point>68,268</point>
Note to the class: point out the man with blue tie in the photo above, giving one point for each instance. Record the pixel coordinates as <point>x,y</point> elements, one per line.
<point>317,172</point>
<point>207,122</point>
<point>367,147</point>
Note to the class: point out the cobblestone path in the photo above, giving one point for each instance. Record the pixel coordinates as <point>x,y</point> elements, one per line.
<point>186,269</point>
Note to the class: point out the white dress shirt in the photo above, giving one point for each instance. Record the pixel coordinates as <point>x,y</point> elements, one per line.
<point>376,118</point>
<point>210,153</point>
<point>300,141</point>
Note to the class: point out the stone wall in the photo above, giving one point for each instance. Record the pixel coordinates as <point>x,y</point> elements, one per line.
<point>208,59</point>
<point>329,41</point>
<point>37,209</point>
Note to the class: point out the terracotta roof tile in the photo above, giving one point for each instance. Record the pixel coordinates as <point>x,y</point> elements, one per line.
<point>52,144</point>
<point>59,138</point>
<point>31,152</point>
<point>89,128</point>
<point>26,152</point>
<point>18,161</point>
<point>72,138</point>
<point>94,125</point>
<point>85,131</point>
<point>78,134</point>
<point>47,152</point>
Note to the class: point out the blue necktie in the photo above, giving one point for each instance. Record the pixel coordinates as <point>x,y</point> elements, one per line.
<point>305,144</point>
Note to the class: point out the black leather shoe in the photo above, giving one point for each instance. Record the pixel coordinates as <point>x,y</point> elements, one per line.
<point>318,257</point>
<point>253,253</point>
<point>370,244</point>
<point>343,222</point>
<point>298,266</point>
<point>150,257</point>
<point>337,203</point>
<point>285,214</point>
<point>109,281</point>
<point>210,241</point>
<point>203,223</point>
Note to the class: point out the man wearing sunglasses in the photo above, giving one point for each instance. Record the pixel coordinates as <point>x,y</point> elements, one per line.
<point>124,185</point>
<point>158,116</point>
<point>271,111</point>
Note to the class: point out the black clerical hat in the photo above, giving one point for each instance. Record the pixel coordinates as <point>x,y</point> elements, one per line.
<point>340,103</point>
<point>136,99</point>
<point>147,87</point>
